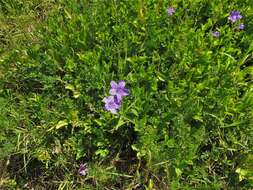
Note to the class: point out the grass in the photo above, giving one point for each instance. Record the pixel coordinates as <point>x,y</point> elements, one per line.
<point>187,123</point>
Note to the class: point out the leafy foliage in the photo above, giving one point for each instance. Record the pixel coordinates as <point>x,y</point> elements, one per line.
<point>186,124</point>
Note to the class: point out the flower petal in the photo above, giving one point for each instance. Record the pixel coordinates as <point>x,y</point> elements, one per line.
<point>113,91</point>
<point>118,98</point>
<point>125,92</point>
<point>121,84</point>
<point>113,84</point>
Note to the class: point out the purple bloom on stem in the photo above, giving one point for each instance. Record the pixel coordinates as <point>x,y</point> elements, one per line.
<point>112,104</point>
<point>170,11</point>
<point>216,34</point>
<point>119,90</point>
<point>234,16</point>
<point>241,26</point>
<point>83,169</point>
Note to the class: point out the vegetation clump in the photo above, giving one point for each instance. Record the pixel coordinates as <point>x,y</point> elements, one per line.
<point>179,117</point>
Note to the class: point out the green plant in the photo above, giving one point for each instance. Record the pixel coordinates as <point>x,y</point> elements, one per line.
<point>186,124</point>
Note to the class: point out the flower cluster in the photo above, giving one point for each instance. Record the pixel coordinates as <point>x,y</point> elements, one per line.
<point>170,11</point>
<point>117,92</point>
<point>216,34</point>
<point>234,17</point>
<point>241,26</point>
<point>83,169</point>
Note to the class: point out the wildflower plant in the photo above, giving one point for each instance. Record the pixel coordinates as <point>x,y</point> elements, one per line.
<point>117,92</point>
<point>241,26</point>
<point>185,123</point>
<point>112,104</point>
<point>83,169</point>
<point>171,11</point>
<point>216,34</point>
<point>234,16</point>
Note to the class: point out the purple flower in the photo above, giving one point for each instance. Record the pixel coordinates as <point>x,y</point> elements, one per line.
<point>119,90</point>
<point>170,11</point>
<point>216,34</point>
<point>112,104</point>
<point>241,26</point>
<point>83,169</point>
<point>234,16</point>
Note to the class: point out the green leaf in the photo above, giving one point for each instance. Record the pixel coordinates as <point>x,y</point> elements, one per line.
<point>61,124</point>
